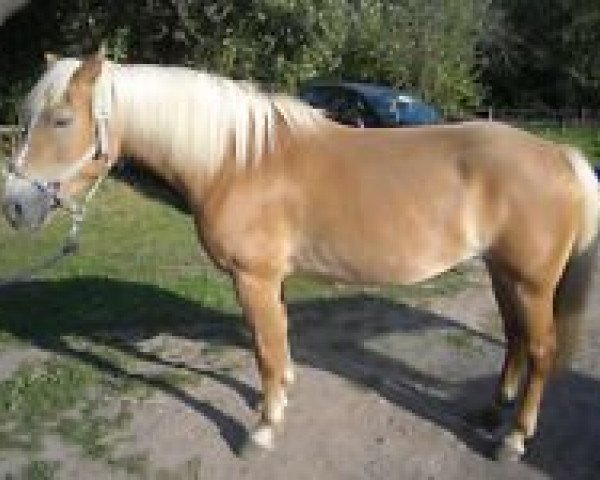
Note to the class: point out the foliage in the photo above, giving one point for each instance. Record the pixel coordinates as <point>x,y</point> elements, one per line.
<point>426,45</point>
<point>544,53</point>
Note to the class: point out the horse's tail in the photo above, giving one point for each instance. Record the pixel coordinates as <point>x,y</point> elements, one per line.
<point>575,283</point>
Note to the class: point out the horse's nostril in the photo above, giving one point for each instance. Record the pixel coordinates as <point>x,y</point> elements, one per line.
<point>13,211</point>
<point>17,210</point>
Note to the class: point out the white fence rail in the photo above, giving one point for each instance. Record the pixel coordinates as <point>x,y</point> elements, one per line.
<point>9,129</point>
<point>564,117</point>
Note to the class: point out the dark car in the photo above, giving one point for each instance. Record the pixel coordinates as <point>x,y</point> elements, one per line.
<point>368,105</point>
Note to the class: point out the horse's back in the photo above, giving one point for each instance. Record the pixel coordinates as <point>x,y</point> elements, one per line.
<point>403,205</point>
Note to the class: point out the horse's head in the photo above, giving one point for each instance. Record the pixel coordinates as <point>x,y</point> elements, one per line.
<point>65,148</point>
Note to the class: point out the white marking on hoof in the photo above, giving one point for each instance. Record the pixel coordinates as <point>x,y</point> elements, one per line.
<point>289,375</point>
<point>285,399</point>
<point>515,443</point>
<point>509,392</point>
<point>275,413</point>
<point>263,437</point>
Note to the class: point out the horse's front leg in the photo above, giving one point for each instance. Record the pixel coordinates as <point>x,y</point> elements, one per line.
<point>260,298</point>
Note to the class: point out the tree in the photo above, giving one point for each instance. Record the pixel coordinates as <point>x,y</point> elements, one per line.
<point>544,53</point>
<point>426,45</point>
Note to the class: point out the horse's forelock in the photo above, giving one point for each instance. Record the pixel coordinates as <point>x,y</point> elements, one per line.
<point>50,88</point>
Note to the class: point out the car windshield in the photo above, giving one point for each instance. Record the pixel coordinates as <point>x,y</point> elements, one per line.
<point>398,107</point>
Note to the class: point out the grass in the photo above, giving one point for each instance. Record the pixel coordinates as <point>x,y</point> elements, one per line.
<point>135,465</point>
<point>40,470</point>
<point>61,396</point>
<point>585,138</point>
<point>33,397</point>
<point>37,389</point>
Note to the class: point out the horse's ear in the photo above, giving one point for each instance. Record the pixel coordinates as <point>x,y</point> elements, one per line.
<point>101,53</point>
<point>51,59</point>
<point>91,67</point>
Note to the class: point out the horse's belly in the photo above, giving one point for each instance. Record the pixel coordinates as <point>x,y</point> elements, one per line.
<point>373,263</point>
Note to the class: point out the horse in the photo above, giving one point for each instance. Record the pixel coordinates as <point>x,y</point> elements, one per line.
<point>275,188</point>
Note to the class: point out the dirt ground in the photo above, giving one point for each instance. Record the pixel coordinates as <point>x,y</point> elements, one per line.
<point>382,392</point>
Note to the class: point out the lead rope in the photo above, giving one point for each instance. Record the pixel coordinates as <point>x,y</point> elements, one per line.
<point>71,244</point>
<point>27,274</point>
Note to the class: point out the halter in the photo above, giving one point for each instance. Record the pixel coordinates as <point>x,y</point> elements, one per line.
<point>102,103</point>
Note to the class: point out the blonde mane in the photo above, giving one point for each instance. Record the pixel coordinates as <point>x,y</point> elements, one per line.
<point>187,115</point>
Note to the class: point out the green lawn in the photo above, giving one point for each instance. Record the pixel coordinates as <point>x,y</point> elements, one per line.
<point>585,138</point>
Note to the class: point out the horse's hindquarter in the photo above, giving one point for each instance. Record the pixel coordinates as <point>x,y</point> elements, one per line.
<point>383,206</point>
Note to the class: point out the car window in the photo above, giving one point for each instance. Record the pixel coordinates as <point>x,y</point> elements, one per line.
<point>370,105</point>
<point>319,97</point>
<point>338,100</point>
<point>342,105</point>
<point>349,108</point>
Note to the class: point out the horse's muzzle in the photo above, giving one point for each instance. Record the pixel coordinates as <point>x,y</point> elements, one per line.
<point>25,205</point>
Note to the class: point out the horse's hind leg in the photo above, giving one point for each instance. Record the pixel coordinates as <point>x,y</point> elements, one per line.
<point>260,299</point>
<point>514,359</point>
<point>540,334</point>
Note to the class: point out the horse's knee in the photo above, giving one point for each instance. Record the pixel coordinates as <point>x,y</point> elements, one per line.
<point>542,354</point>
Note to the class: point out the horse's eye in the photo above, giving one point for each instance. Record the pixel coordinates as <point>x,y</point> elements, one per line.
<point>62,122</point>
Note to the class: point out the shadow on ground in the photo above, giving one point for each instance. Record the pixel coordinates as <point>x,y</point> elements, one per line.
<point>44,312</point>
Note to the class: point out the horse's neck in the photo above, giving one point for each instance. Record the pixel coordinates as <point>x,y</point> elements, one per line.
<point>185,177</point>
<point>150,157</point>
<point>152,147</point>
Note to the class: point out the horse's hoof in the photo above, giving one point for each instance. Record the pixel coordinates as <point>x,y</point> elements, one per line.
<point>505,453</point>
<point>512,448</point>
<point>263,437</point>
<point>258,441</point>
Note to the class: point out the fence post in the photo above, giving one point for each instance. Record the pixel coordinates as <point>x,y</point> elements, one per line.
<point>8,139</point>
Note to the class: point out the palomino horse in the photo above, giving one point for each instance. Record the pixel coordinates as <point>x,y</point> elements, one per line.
<point>276,188</point>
